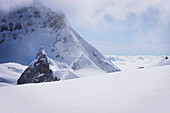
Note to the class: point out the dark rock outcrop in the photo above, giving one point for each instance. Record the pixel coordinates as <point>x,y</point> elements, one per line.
<point>4,27</point>
<point>38,71</point>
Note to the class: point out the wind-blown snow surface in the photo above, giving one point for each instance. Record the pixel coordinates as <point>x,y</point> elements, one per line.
<point>137,91</point>
<point>10,72</point>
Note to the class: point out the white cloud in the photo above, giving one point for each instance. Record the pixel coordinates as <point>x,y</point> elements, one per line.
<point>91,13</point>
<point>148,21</point>
<point>11,4</point>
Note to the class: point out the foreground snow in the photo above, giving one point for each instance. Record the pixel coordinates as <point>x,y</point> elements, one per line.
<point>137,91</point>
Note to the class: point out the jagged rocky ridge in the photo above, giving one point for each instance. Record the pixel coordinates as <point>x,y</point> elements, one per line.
<point>44,69</point>
<point>24,30</point>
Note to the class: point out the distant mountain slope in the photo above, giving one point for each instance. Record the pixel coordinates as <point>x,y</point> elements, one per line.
<point>24,30</point>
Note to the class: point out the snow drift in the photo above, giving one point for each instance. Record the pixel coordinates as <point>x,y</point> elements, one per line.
<point>10,72</point>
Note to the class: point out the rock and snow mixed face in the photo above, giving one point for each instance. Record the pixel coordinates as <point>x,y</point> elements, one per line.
<point>44,69</point>
<point>24,30</point>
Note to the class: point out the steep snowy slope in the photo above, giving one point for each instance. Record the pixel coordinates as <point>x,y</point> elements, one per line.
<point>24,30</point>
<point>10,72</point>
<point>138,91</point>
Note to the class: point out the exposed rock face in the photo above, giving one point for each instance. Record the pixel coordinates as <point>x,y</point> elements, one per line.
<point>38,71</point>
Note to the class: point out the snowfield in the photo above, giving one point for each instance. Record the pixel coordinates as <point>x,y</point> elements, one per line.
<point>134,62</point>
<point>137,91</point>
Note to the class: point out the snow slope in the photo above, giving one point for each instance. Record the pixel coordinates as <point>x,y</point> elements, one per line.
<point>162,62</point>
<point>10,72</point>
<point>137,91</point>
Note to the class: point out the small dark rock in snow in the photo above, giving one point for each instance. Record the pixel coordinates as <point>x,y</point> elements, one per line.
<point>141,67</point>
<point>166,58</point>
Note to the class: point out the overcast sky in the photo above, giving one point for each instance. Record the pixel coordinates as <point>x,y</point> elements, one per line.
<point>119,27</point>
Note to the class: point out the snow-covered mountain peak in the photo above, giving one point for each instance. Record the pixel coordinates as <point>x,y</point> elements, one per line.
<point>41,52</point>
<point>29,19</point>
<point>24,30</point>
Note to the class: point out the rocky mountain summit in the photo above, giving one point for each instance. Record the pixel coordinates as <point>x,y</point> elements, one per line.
<point>23,31</point>
<point>43,69</point>
<point>38,71</point>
